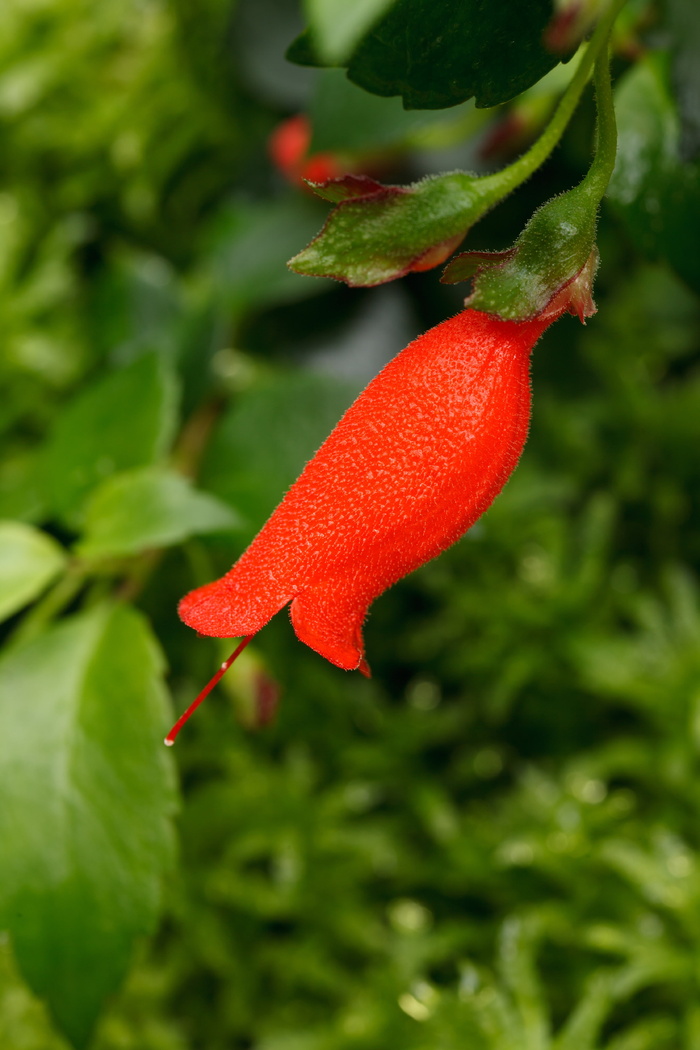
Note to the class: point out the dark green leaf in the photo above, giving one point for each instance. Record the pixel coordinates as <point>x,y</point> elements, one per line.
<point>147,508</point>
<point>302,52</point>
<point>29,561</point>
<point>126,420</point>
<point>393,229</point>
<point>437,53</point>
<point>652,189</point>
<point>86,797</point>
<point>337,26</point>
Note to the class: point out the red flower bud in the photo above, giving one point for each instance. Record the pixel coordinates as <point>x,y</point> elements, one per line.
<point>412,464</point>
<point>288,146</point>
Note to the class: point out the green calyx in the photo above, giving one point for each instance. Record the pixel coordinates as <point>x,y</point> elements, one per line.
<point>378,233</point>
<point>552,250</point>
<point>556,250</point>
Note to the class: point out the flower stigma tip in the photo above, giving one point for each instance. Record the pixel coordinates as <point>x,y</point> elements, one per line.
<point>170,738</point>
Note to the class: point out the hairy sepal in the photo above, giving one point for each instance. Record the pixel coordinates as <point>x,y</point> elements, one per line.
<point>377,233</point>
<point>555,252</point>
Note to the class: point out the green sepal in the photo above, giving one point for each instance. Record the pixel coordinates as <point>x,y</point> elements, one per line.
<point>378,233</point>
<point>350,187</point>
<point>556,247</point>
<point>468,264</point>
<point>551,266</point>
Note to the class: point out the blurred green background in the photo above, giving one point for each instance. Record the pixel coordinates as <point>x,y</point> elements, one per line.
<point>494,842</point>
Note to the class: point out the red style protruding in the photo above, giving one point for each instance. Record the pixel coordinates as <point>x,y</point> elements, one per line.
<point>186,715</point>
<point>413,463</point>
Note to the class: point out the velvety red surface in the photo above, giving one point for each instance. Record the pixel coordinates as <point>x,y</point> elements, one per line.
<point>417,458</point>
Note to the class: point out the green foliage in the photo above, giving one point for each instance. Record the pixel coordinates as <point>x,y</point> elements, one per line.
<point>336,27</point>
<point>493,844</point>
<point>29,561</point>
<point>250,461</point>
<point>122,421</point>
<point>378,233</point>
<point>88,795</point>
<point>435,53</point>
<point>249,249</point>
<point>655,190</point>
<point>146,508</point>
<point>344,117</point>
<point>685,41</point>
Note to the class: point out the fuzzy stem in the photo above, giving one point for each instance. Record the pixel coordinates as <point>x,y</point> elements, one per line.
<point>495,187</point>
<point>600,171</point>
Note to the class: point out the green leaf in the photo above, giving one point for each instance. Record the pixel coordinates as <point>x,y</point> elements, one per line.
<point>22,493</point>
<point>29,561</point>
<point>436,53</point>
<point>655,193</point>
<point>582,1028</point>
<point>517,964</point>
<point>263,442</point>
<point>302,52</point>
<point>137,307</point>
<point>147,508</point>
<point>381,234</point>
<point>126,420</point>
<point>86,797</point>
<point>337,26</point>
<point>249,247</point>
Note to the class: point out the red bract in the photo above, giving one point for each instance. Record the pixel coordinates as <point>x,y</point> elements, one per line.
<point>412,464</point>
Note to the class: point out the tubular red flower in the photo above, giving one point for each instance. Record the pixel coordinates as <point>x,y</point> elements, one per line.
<point>412,464</point>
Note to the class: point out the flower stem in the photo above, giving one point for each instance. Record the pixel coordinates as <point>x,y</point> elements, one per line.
<point>495,187</point>
<point>600,171</point>
<point>186,715</point>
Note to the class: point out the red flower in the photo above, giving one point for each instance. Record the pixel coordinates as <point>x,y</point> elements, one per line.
<point>288,146</point>
<point>412,464</point>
